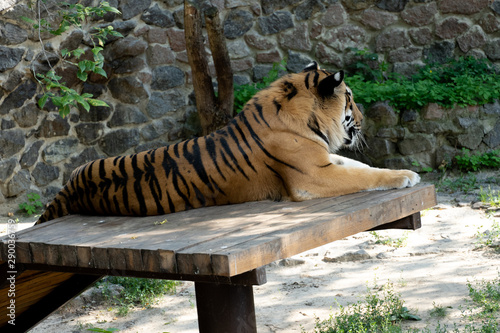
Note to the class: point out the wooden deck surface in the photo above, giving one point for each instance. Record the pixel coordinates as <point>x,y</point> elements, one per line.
<point>214,241</point>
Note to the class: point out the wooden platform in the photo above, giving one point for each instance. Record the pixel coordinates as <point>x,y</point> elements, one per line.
<point>214,245</point>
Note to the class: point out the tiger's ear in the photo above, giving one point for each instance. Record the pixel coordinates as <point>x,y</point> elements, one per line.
<point>313,66</point>
<point>328,84</point>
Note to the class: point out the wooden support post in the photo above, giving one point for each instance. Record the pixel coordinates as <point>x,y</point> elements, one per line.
<point>228,307</point>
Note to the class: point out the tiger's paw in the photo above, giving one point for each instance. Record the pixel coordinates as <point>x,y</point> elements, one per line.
<point>408,178</point>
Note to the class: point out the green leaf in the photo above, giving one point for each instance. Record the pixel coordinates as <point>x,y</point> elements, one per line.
<point>100,71</point>
<point>42,101</point>
<point>96,102</point>
<point>82,76</point>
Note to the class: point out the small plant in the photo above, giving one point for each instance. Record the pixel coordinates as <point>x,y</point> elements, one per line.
<point>475,162</point>
<point>31,206</point>
<point>490,197</point>
<point>137,291</point>
<point>486,295</point>
<point>489,237</point>
<point>438,310</point>
<point>380,311</point>
<point>464,183</point>
<point>397,242</point>
<point>368,65</point>
<point>243,93</point>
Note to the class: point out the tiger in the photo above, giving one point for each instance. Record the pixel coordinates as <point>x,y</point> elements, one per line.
<point>281,146</point>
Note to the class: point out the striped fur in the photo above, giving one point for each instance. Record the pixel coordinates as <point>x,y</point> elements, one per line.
<point>280,147</point>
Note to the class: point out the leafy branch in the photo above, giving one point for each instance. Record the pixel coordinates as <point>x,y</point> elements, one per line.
<point>56,91</point>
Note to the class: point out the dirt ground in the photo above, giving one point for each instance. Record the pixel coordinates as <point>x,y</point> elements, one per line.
<point>432,269</point>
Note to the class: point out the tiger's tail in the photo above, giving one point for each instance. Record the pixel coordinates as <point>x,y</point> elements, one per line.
<point>59,207</point>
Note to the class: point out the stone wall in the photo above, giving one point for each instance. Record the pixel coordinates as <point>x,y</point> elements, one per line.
<point>150,93</point>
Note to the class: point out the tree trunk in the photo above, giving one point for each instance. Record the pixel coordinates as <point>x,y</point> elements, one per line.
<point>214,112</point>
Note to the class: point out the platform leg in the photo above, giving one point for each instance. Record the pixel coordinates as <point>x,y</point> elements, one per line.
<point>225,308</point>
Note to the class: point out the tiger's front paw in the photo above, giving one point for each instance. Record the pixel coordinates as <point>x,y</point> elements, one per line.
<point>409,178</point>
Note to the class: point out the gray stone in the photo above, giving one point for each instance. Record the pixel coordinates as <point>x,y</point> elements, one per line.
<point>237,49</point>
<point>381,148</point>
<point>94,89</point>
<point>307,9</point>
<point>87,155</point>
<point>52,126</point>
<point>291,262</point>
<point>392,5</point>
<point>467,122</point>
<point>7,168</point>
<point>422,36</point>
<point>128,89</point>
<point>119,141</point>
<point>96,113</point>
<point>150,145</point>
<point>377,19</point>
<point>492,49</point>
<point>125,47</point>
<point>276,22</point>
<point>179,18</point>
<point>17,98</point>
<point>347,257</point>
<point>11,142</point>
<point>59,150</point>
<point>125,115</point>
<point>419,15</point>
<point>344,37</point>
<point>407,54</point>
<point>258,42</point>
<point>492,108</point>
<point>492,139</point>
<point>397,163</point>
<point>164,102</point>
<point>30,155</point>
<point>495,5</point>
<point>157,128</point>
<point>391,39</point>
<point>472,138</point>
<point>7,124</point>
<point>445,155</point>
<point>297,62</point>
<point>439,52</point>
<point>407,68</point>
<point>167,77</point>
<point>158,17</point>
<point>88,133</point>
<point>11,34</point>
<point>391,132</point>
<point>326,55</point>
<point>159,55</point>
<point>383,114</point>
<point>14,79</point>
<point>20,183</point>
<point>127,65</point>
<point>416,144</point>
<point>44,62</point>
<point>490,23</point>
<point>451,27</point>
<point>462,6</point>
<point>474,38</point>
<point>358,4</point>
<point>123,27</point>
<point>296,39</point>
<point>271,6</point>
<point>73,40</point>
<point>131,8</point>
<point>409,116</point>
<point>237,23</point>
<point>43,173</point>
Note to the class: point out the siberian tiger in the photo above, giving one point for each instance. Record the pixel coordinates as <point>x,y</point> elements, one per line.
<point>280,147</point>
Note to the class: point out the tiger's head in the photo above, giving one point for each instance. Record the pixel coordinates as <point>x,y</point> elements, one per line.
<point>319,105</point>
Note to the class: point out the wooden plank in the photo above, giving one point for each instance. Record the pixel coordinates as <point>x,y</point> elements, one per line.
<point>204,241</point>
<point>303,232</point>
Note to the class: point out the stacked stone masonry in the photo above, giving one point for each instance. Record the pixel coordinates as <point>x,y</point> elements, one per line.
<point>149,80</point>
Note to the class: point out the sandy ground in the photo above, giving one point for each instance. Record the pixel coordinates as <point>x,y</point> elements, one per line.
<point>432,269</point>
